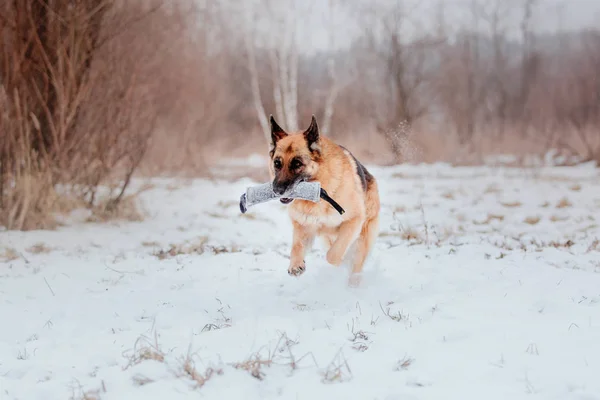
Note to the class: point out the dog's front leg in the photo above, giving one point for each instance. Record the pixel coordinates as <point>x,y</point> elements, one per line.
<point>347,232</point>
<point>301,241</point>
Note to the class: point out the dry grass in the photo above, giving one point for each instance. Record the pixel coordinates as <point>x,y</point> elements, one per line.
<point>359,339</point>
<point>493,188</point>
<point>37,210</point>
<point>217,215</point>
<point>402,175</point>
<point>338,370</point>
<point>558,245</point>
<point>405,233</point>
<point>557,218</point>
<point>140,380</point>
<point>404,364</point>
<point>540,245</point>
<point>254,365</point>
<point>576,187</point>
<point>223,249</point>
<point>511,204</point>
<point>385,234</point>
<point>196,247</point>
<point>489,219</point>
<point>302,307</point>
<point>502,244</point>
<point>249,216</point>
<point>91,395</point>
<point>446,233</point>
<point>39,248</point>
<point>213,327</point>
<point>188,369</point>
<point>80,394</point>
<point>227,204</point>
<point>411,234</point>
<point>171,187</point>
<point>144,350</point>
<point>125,210</point>
<point>448,195</point>
<point>26,206</point>
<point>564,203</point>
<point>281,354</point>
<point>394,316</point>
<point>9,254</point>
<point>532,220</point>
<point>594,246</point>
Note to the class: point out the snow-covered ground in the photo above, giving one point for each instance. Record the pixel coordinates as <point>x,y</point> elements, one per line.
<point>484,284</point>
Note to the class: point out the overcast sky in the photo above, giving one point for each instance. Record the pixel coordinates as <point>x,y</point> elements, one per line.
<point>313,16</point>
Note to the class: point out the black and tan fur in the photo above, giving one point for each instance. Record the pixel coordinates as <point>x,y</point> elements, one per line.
<point>308,156</point>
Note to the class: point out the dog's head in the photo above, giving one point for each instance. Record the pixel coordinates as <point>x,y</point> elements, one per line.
<point>294,157</point>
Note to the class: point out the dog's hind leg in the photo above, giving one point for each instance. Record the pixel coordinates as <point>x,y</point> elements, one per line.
<point>364,244</point>
<point>347,233</point>
<point>327,239</point>
<point>368,235</point>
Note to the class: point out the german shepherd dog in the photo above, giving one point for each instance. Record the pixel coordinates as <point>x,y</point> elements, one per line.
<point>308,156</point>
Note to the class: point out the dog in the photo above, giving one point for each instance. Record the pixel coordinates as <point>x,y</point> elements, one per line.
<point>308,156</point>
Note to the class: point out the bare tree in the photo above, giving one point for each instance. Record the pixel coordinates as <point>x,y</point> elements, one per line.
<point>459,88</point>
<point>407,69</point>
<point>334,85</point>
<point>79,102</point>
<point>255,82</point>
<point>494,15</point>
<point>578,105</point>
<point>283,54</point>
<point>283,57</point>
<point>530,65</point>
<point>284,62</point>
<point>45,63</point>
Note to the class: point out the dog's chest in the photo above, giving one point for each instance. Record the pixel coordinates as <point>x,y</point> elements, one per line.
<point>315,217</point>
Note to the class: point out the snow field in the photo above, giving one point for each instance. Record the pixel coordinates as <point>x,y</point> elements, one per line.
<point>484,283</point>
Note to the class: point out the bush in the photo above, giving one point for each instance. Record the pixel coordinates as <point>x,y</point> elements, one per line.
<point>78,102</point>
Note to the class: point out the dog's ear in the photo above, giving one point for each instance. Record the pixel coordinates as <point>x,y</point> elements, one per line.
<point>277,132</point>
<point>312,135</point>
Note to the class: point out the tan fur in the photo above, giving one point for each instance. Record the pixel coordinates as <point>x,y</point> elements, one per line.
<point>336,170</point>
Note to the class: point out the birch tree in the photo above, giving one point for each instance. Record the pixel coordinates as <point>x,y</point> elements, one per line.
<point>281,48</point>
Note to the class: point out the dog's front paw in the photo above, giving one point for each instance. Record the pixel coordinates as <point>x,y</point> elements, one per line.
<point>297,270</point>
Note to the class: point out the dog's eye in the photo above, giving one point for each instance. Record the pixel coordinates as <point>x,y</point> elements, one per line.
<point>296,164</point>
<point>277,164</point>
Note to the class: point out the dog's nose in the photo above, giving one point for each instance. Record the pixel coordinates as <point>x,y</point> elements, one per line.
<point>280,187</point>
<point>279,190</point>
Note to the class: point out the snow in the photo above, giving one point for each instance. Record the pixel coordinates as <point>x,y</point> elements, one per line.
<point>467,295</point>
